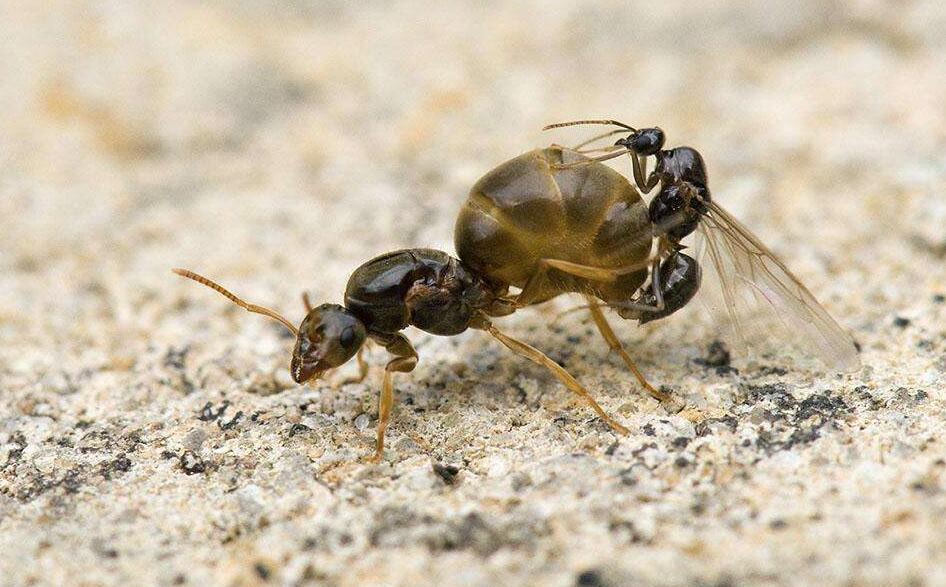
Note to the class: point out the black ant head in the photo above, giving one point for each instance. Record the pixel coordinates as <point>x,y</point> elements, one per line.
<point>646,141</point>
<point>328,337</point>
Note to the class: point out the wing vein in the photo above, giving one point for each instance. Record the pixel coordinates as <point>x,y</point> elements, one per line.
<point>757,289</point>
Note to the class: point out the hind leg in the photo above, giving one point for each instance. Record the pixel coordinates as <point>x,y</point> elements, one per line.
<point>615,343</point>
<point>536,356</point>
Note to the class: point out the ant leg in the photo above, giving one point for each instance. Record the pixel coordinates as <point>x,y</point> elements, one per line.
<point>640,172</point>
<point>659,304</point>
<point>589,160</point>
<point>536,356</point>
<point>306,301</point>
<point>404,362</point>
<point>620,131</point>
<point>638,162</point>
<point>362,368</point>
<point>611,338</point>
<point>502,306</point>
<point>608,149</point>
<point>534,287</point>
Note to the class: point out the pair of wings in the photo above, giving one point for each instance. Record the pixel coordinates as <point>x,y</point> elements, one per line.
<point>759,299</point>
<point>746,286</point>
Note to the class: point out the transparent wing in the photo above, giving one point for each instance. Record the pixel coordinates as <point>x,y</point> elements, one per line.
<point>759,297</point>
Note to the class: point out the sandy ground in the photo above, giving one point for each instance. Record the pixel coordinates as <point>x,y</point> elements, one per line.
<point>150,434</point>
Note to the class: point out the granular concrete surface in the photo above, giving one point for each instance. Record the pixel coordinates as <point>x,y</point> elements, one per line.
<point>150,433</point>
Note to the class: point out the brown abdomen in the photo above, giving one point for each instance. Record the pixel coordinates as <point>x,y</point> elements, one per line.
<point>524,210</point>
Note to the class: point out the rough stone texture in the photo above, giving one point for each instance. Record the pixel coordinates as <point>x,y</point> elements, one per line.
<point>149,432</point>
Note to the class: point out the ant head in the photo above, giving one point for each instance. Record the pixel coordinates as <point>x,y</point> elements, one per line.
<point>646,141</point>
<point>328,337</point>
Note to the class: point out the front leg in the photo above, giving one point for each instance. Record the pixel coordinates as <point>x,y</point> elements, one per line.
<point>404,362</point>
<point>639,162</point>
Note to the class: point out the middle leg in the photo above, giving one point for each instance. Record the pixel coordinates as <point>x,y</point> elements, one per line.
<point>362,367</point>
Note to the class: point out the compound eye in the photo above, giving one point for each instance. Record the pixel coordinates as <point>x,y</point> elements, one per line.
<point>348,337</point>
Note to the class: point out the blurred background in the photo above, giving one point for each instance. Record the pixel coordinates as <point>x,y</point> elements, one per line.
<point>279,144</point>
<point>276,145</point>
